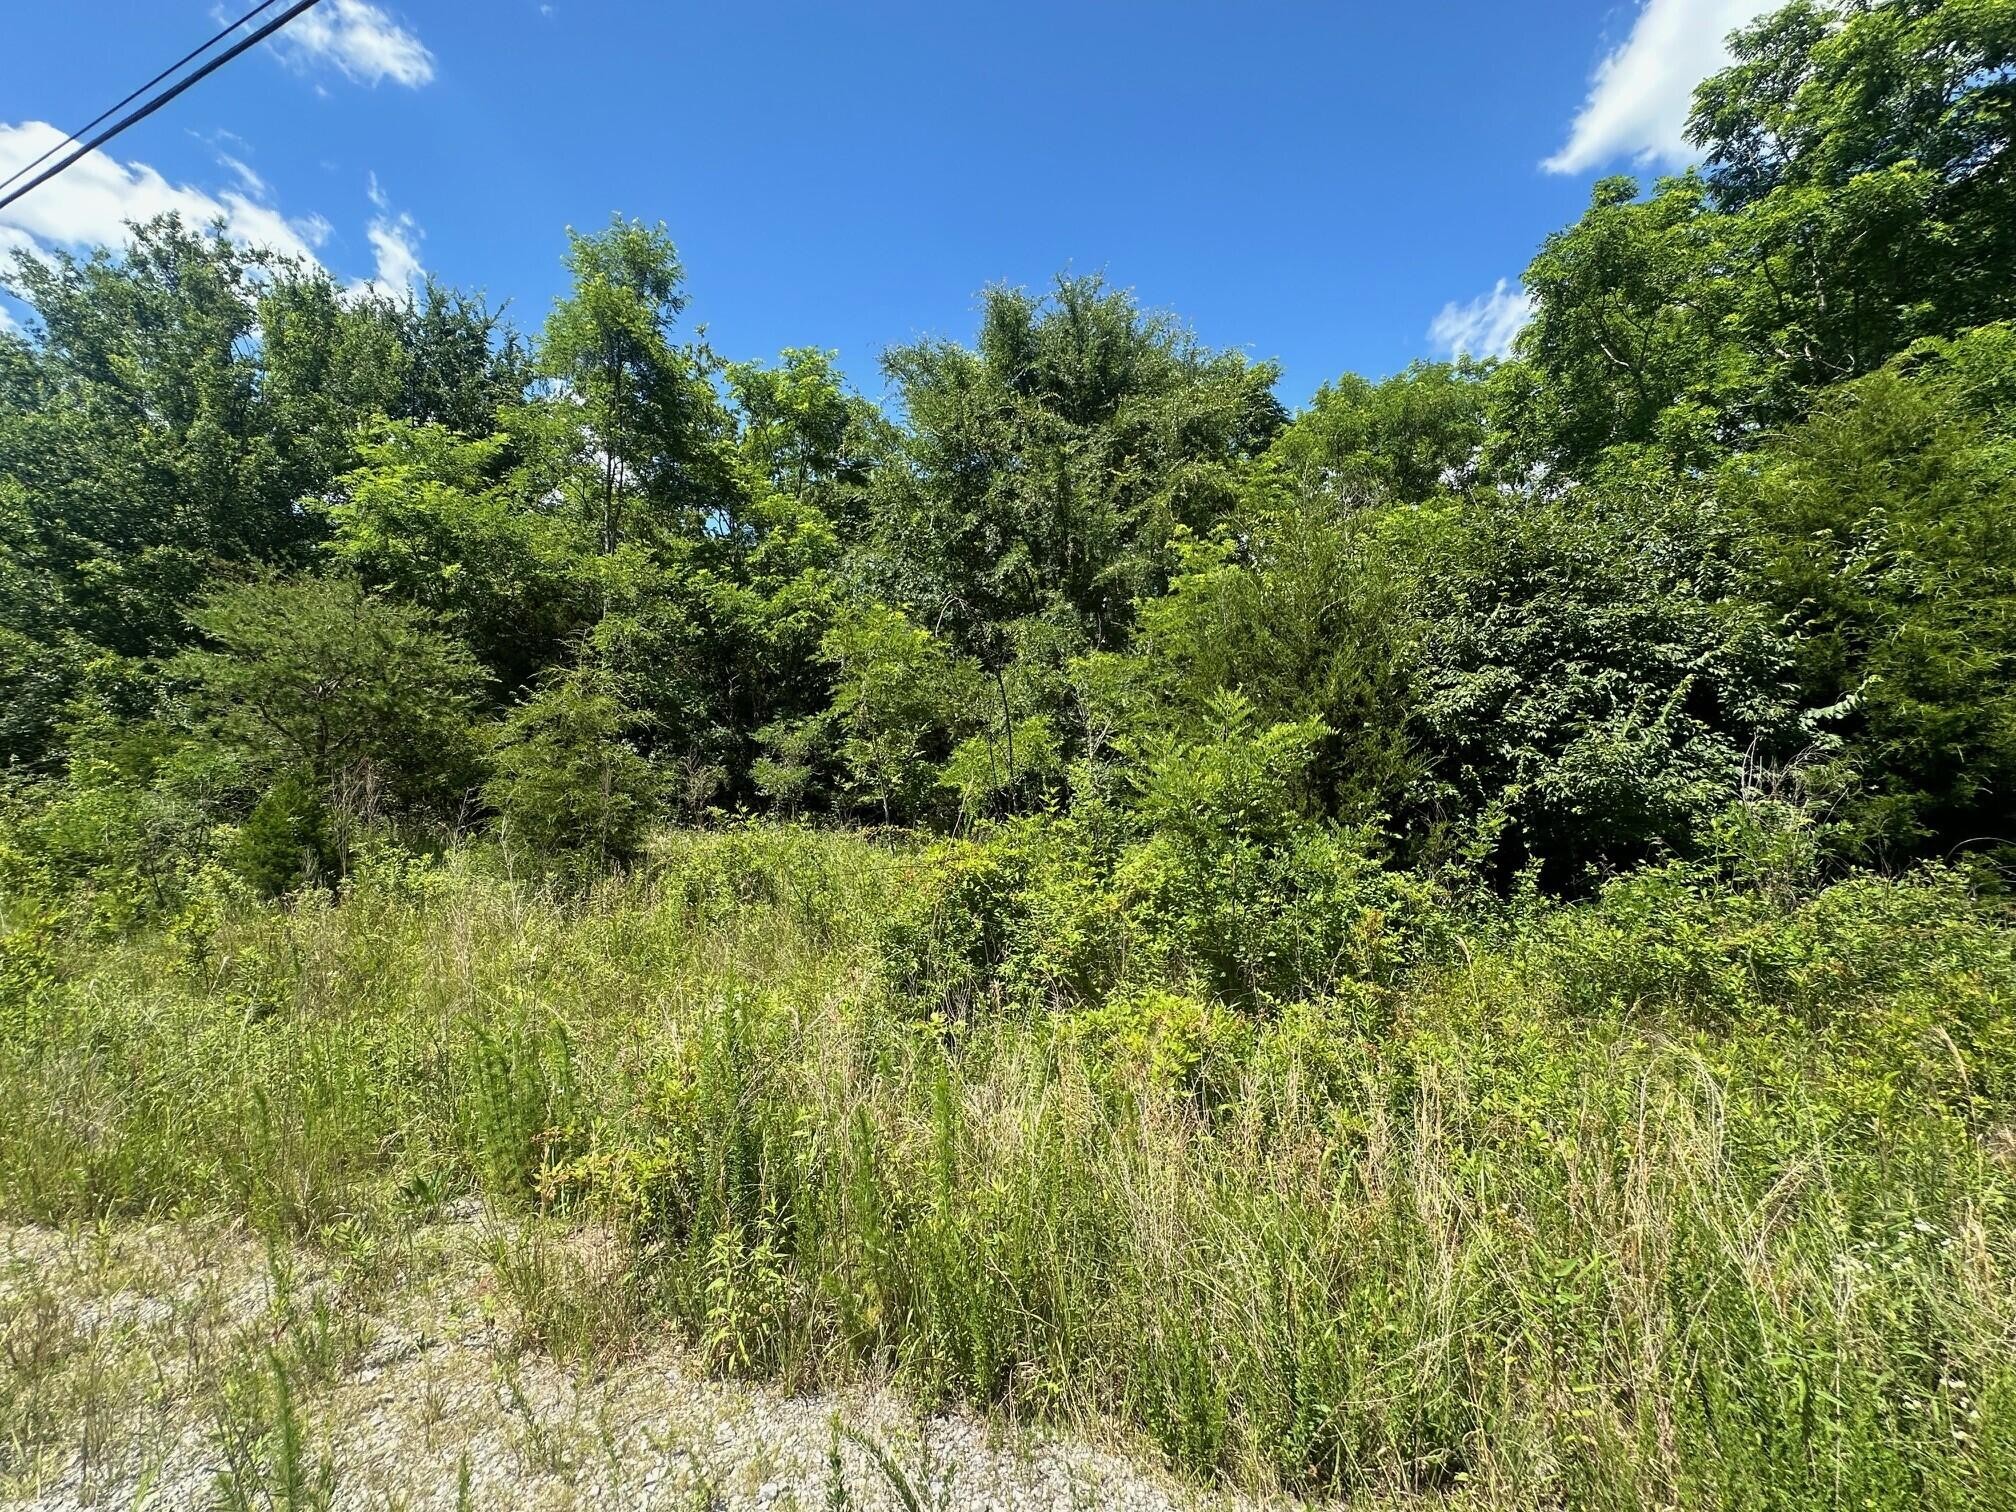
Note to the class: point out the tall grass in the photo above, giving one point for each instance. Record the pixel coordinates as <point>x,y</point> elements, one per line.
<point>1676,1199</point>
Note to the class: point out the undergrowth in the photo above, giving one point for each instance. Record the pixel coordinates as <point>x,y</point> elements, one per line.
<point>1693,1195</point>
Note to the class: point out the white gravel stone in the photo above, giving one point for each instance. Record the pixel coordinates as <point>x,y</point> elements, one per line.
<point>434,1398</point>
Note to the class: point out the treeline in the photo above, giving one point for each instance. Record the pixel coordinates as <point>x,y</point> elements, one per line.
<point>1721,560</point>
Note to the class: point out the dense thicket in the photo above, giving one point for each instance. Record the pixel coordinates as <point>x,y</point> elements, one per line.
<point>284,566</point>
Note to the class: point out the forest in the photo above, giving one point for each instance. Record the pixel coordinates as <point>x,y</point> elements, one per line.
<point>1452,943</point>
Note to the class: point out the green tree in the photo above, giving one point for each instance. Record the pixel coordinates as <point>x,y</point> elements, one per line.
<point>288,839</point>
<point>1628,340</point>
<point>1407,437</point>
<point>648,430</point>
<point>1891,521</point>
<point>367,699</point>
<point>173,405</point>
<point>904,697</point>
<point>1044,474</point>
<point>1596,673</point>
<point>1858,195</point>
<point>801,435</point>
<point>440,521</point>
<point>568,786</point>
<point>1307,611</point>
<point>1870,143</point>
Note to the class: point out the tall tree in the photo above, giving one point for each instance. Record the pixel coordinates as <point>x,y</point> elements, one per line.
<point>1045,472</point>
<point>649,427</point>
<point>175,403</point>
<point>1859,193</point>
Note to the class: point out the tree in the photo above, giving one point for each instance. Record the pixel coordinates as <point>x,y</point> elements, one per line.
<point>650,429</point>
<point>1407,437</point>
<point>1916,95</point>
<point>1890,518</point>
<point>439,521</point>
<point>1044,474</point>
<point>1859,194</point>
<point>903,698</point>
<point>368,699</point>
<point>1627,342</point>
<point>568,786</point>
<point>287,840</point>
<point>176,403</point>
<point>801,435</point>
<point>1305,610</point>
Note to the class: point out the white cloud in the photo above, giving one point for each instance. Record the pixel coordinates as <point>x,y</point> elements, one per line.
<point>8,325</point>
<point>360,40</point>
<point>395,243</point>
<point>254,185</point>
<point>1640,94</point>
<point>90,202</point>
<point>1485,326</point>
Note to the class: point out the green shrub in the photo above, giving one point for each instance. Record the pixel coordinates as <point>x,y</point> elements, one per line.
<point>287,841</point>
<point>568,787</point>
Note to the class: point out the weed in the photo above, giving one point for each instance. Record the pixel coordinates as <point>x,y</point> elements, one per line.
<point>261,1438</point>
<point>1680,1196</point>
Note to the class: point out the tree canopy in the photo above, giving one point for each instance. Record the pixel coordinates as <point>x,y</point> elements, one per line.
<point>1735,514</point>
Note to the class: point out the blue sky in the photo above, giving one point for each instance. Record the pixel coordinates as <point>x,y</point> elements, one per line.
<point>1340,186</point>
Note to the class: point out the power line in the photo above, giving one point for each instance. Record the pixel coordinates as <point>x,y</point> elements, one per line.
<point>162,98</point>
<point>181,62</point>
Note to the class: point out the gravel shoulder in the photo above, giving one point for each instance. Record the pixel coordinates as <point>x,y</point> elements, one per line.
<point>188,1365</point>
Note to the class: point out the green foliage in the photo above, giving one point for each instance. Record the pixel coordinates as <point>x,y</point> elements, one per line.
<point>1308,619</point>
<point>1553,616</point>
<point>900,695</point>
<point>1405,438</point>
<point>567,784</point>
<point>1891,518</point>
<point>993,768</point>
<point>1598,675</point>
<point>1871,144</point>
<point>1214,879</point>
<point>1627,335</point>
<point>1159,1041</point>
<point>1377,991</point>
<point>437,521</point>
<point>1858,196</point>
<point>803,435</point>
<point>178,401</point>
<point>648,427</point>
<point>138,815</point>
<point>1045,473</point>
<point>364,696</point>
<point>287,840</point>
<point>1234,784</point>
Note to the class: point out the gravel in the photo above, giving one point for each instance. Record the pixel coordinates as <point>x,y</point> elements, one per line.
<point>135,1357</point>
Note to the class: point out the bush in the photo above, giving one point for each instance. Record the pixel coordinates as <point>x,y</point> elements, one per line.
<point>287,840</point>
<point>1598,677</point>
<point>1888,525</point>
<point>368,699</point>
<point>568,787</point>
